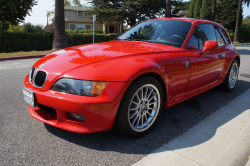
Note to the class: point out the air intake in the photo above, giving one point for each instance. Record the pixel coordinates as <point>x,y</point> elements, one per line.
<point>40,78</point>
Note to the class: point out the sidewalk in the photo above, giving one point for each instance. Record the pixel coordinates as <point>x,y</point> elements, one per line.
<point>222,139</point>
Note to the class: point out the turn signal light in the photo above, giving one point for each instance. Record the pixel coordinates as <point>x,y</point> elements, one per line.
<point>95,107</point>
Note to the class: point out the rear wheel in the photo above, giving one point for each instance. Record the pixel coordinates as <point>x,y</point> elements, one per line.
<point>232,77</point>
<point>140,107</point>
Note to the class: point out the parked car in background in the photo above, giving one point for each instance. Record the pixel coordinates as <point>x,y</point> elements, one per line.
<point>127,82</point>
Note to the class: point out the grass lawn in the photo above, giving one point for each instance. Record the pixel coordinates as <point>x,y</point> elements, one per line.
<point>21,53</point>
<point>241,44</point>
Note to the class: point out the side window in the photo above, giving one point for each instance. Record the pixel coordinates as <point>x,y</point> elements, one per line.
<point>224,34</point>
<point>205,32</point>
<point>193,42</point>
<point>219,37</point>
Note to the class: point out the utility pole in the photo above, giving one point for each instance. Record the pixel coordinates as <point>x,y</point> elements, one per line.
<point>94,19</point>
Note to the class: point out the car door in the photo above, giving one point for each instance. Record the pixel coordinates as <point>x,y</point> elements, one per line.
<point>205,68</point>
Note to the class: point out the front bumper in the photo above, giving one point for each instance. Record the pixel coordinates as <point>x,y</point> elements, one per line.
<point>95,119</point>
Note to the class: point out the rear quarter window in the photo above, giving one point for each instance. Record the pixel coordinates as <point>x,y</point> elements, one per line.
<point>224,34</point>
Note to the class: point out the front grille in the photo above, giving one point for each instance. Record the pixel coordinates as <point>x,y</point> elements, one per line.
<point>47,109</point>
<point>40,78</point>
<point>32,74</point>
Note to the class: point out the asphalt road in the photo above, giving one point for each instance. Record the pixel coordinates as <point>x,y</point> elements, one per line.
<point>26,141</point>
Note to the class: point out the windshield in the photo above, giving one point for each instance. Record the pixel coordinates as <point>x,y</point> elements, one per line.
<point>168,32</point>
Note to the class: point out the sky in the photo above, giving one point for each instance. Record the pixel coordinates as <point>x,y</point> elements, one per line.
<point>39,11</point>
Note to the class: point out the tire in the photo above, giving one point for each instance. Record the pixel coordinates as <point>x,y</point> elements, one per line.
<point>140,107</point>
<point>231,77</point>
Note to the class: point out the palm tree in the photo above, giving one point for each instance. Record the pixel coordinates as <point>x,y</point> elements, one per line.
<point>213,10</point>
<point>236,33</point>
<point>168,8</point>
<point>60,38</point>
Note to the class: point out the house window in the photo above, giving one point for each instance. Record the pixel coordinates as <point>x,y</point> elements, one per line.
<point>87,26</point>
<point>80,27</point>
<point>72,26</point>
<point>80,13</point>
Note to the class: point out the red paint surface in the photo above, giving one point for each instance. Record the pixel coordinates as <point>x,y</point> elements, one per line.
<point>119,63</point>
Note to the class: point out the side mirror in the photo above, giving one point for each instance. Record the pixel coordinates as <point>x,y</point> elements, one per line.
<point>209,45</point>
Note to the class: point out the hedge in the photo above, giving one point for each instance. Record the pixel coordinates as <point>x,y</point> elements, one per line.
<point>17,41</point>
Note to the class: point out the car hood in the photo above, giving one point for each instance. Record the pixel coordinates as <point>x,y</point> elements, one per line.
<point>66,59</point>
<point>65,62</point>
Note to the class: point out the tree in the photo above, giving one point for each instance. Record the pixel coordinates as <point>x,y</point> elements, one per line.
<point>76,3</point>
<point>206,9</point>
<point>168,8</point>
<point>29,28</point>
<point>107,11</point>
<point>178,6</point>
<point>239,12</point>
<point>60,38</point>
<point>213,10</point>
<point>49,28</point>
<point>72,2</point>
<point>129,10</point>
<point>49,13</point>
<point>14,11</point>
<point>191,9</point>
<point>244,30</point>
<point>226,13</point>
<point>197,8</point>
<point>67,3</point>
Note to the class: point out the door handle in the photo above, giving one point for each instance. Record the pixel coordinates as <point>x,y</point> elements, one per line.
<point>220,56</point>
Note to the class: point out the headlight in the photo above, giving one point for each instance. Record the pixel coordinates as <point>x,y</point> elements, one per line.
<point>79,87</point>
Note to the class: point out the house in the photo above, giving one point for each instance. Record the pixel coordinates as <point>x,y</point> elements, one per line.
<point>78,17</point>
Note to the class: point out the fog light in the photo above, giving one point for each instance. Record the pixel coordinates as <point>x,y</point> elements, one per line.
<point>76,116</point>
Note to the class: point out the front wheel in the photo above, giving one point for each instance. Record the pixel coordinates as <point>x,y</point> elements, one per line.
<point>140,107</point>
<point>231,77</point>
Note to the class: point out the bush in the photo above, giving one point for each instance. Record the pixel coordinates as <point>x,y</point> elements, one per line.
<point>15,28</point>
<point>86,38</point>
<point>244,33</point>
<point>17,41</point>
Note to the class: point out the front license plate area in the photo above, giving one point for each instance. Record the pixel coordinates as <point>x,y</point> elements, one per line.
<point>29,97</point>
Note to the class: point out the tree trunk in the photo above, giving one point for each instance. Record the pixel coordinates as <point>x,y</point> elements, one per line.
<point>168,8</point>
<point>236,32</point>
<point>213,10</point>
<point>60,38</point>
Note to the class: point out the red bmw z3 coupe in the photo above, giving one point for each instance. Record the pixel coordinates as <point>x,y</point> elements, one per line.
<point>125,83</point>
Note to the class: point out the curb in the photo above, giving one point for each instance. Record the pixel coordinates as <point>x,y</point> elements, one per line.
<point>21,57</point>
<point>224,140</point>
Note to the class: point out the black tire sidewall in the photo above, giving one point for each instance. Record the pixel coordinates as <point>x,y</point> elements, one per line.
<point>123,109</point>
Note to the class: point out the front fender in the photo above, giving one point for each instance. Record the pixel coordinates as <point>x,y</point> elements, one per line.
<point>116,69</point>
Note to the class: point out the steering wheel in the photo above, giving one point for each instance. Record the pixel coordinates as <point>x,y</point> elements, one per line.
<point>177,36</point>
